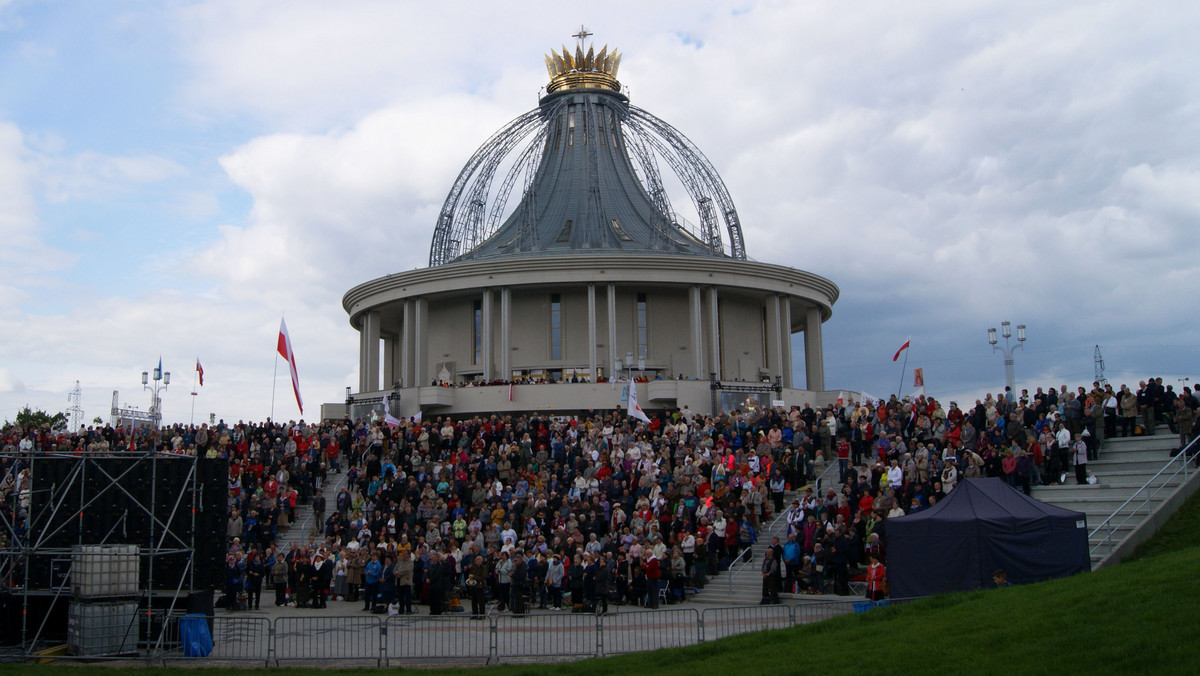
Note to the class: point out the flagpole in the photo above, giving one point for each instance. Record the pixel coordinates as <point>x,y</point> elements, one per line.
<point>903,370</point>
<point>195,376</point>
<point>274,377</point>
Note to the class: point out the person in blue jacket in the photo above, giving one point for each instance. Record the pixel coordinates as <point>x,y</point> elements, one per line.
<point>371,575</point>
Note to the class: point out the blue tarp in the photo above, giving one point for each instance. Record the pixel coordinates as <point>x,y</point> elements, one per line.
<point>981,526</point>
<point>193,633</point>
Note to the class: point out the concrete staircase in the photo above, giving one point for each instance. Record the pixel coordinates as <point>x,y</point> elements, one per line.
<point>1125,465</point>
<point>297,533</point>
<point>742,584</point>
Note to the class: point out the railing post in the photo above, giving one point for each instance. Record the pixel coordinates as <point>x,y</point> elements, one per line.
<point>493,648</point>
<point>383,655</point>
<point>272,637</point>
<point>599,635</point>
<point>700,625</point>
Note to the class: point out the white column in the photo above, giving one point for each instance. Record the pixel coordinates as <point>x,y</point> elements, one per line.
<point>406,344</point>
<point>505,324</point>
<point>696,324</point>
<point>774,358</point>
<point>814,358</point>
<point>485,346</point>
<point>591,301</point>
<point>613,355</point>
<point>420,343</point>
<point>786,325</point>
<point>368,379</point>
<point>391,351</point>
<point>362,354</point>
<point>714,328</point>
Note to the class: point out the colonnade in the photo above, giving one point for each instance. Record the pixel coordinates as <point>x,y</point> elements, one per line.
<point>405,347</point>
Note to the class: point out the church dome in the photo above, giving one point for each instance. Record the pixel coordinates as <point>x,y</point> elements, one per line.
<point>587,163</point>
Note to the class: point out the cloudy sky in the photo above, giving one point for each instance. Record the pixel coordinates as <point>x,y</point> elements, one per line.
<point>174,177</point>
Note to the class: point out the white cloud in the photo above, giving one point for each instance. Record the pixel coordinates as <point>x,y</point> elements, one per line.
<point>95,176</point>
<point>335,209</point>
<point>25,259</point>
<point>9,383</point>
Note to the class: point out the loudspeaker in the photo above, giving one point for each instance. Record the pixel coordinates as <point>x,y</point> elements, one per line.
<point>109,500</point>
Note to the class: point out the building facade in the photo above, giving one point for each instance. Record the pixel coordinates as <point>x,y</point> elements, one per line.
<point>592,276</point>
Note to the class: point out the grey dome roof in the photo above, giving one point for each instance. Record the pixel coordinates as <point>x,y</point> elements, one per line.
<point>588,165</point>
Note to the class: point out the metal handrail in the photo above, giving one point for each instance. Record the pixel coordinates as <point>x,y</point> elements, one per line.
<point>1182,457</point>
<point>770,531</point>
<point>833,464</point>
<point>304,528</point>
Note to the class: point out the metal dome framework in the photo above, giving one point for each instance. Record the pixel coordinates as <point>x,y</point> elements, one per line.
<point>474,209</point>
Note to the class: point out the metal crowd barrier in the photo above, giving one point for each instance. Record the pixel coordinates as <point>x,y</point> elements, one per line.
<point>562,634</point>
<point>807,613</point>
<point>722,622</point>
<point>347,639</point>
<point>238,638</point>
<point>405,640</point>
<point>634,632</point>
<point>411,639</point>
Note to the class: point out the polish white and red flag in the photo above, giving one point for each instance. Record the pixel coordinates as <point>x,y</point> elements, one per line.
<point>200,371</point>
<point>285,351</point>
<point>903,347</point>
<point>635,411</point>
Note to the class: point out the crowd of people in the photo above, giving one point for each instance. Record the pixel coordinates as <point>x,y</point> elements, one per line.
<point>576,512</point>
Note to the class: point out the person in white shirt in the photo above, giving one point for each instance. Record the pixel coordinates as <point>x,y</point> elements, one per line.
<point>895,475</point>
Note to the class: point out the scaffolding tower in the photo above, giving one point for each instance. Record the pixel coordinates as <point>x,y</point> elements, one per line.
<point>97,487</point>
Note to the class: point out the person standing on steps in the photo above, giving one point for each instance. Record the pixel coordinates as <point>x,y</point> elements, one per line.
<point>1080,450</point>
<point>318,507</point>
<point>1185,417</point>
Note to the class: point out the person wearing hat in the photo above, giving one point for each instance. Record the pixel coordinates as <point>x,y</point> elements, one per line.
<point>795,517</point>
<point>950,474</point>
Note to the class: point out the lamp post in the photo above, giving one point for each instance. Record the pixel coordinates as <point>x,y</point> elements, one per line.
<point>159,376</point>
<point>1008,348</point>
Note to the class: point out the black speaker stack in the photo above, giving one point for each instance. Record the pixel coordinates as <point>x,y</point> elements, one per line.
<point>109,500</point>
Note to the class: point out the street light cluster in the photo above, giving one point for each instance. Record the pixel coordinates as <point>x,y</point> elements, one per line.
<point>1006,333</point>
<point>155,401</point>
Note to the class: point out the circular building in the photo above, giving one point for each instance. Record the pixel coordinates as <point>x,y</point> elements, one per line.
<point>593,275</point>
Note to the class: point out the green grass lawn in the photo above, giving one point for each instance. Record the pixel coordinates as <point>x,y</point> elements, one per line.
<point>1138,617</point>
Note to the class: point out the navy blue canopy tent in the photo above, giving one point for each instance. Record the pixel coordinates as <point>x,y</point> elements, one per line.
<point>983,525</point>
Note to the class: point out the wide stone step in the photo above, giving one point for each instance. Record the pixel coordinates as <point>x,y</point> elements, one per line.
<point>1123,483</point>
<point>1154,455</point>
<point>1142,473</point>
<point>1063,494</point>
<point>1119,527</point>
<point>1165,441</point>
<point>1101,467</point>
<point>1096,514</point>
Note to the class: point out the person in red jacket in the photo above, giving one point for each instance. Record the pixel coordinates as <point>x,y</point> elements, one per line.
<point>653,572</point>
<point>876,579</point>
